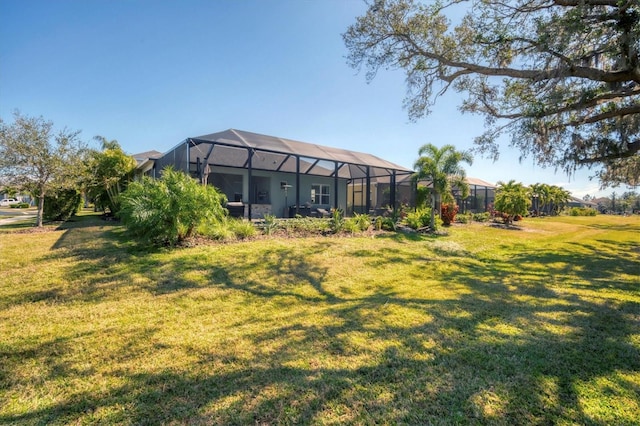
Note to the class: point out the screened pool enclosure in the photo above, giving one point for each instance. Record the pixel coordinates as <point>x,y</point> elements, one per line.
<point>262,174</point>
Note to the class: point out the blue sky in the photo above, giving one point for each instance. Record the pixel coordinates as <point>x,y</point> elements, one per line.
<point>150,73</point>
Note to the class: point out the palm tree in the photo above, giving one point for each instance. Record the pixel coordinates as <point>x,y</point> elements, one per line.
<point>539,193</point>
<point>559,198</point>
<point>110,171</point>
<point>441,167</point>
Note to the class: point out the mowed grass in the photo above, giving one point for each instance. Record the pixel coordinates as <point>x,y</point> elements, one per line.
<point>537,325</point>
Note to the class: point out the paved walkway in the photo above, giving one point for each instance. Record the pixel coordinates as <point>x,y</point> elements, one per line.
<point>19,215</point>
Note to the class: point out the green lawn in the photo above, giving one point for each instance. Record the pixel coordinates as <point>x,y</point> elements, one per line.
<point>537,325</point>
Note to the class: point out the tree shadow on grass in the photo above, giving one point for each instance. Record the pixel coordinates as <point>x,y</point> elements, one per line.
<point>506,226</point>
<point>518,346</point>
<point>596,266</point>
<point>102,260</point>
<point>106,262</point>
<point>413,236</point>
<point>623,227</point>
<point>275,271</point>
<point>450,370</point>
<point>576,339</point>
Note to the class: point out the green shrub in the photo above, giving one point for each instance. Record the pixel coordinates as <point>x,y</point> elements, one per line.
<point>62,204</point>
<point>227,229</point>
<point>305,225</point>
<point>413,220</point>
<point>362,220</point>
<point>170,209</point>
<point>21,205</point>
<point>418,219</point>
<point>384,223</point>
<point>481,217</point>
<point>336,221</point>
<point>582,211</point>
<point>242,228</point>
<point>217,230</point>
<point>512,198</point>
<point>351,225</point>
<point>359,222</point>
<point>270,224</point>
<point>463,218</point>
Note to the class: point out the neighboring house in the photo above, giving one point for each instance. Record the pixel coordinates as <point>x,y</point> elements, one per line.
<point>481,197</point>
<point>263,174</point>
<point>602,204</point>
<point>145,161</point>
<point>482,194</point>
<point>577,202</point>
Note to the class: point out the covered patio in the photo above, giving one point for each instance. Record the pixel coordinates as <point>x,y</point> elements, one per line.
<point>263,174</point>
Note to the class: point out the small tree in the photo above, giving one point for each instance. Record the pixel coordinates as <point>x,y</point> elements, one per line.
<point>34,159</point>
<point>512,199</point>
<point>169,210</point>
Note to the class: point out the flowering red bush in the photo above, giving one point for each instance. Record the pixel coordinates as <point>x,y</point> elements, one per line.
<point>448,213</point>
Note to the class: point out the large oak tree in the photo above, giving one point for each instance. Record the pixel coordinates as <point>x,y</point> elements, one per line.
<point>561,77</point>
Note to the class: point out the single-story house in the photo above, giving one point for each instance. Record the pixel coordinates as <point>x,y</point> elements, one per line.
<point>263,174</point>
<point>145,161</point>
<point>577,202</point>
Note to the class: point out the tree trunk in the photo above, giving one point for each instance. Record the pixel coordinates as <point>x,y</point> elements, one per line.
<point>433,210</point>
<point>40,209</point>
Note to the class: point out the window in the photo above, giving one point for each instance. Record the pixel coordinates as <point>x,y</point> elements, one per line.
<point>320,194</point>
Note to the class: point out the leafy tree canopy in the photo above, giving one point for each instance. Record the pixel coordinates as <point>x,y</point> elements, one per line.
<point>35,159</point>
<point>562,77</point>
